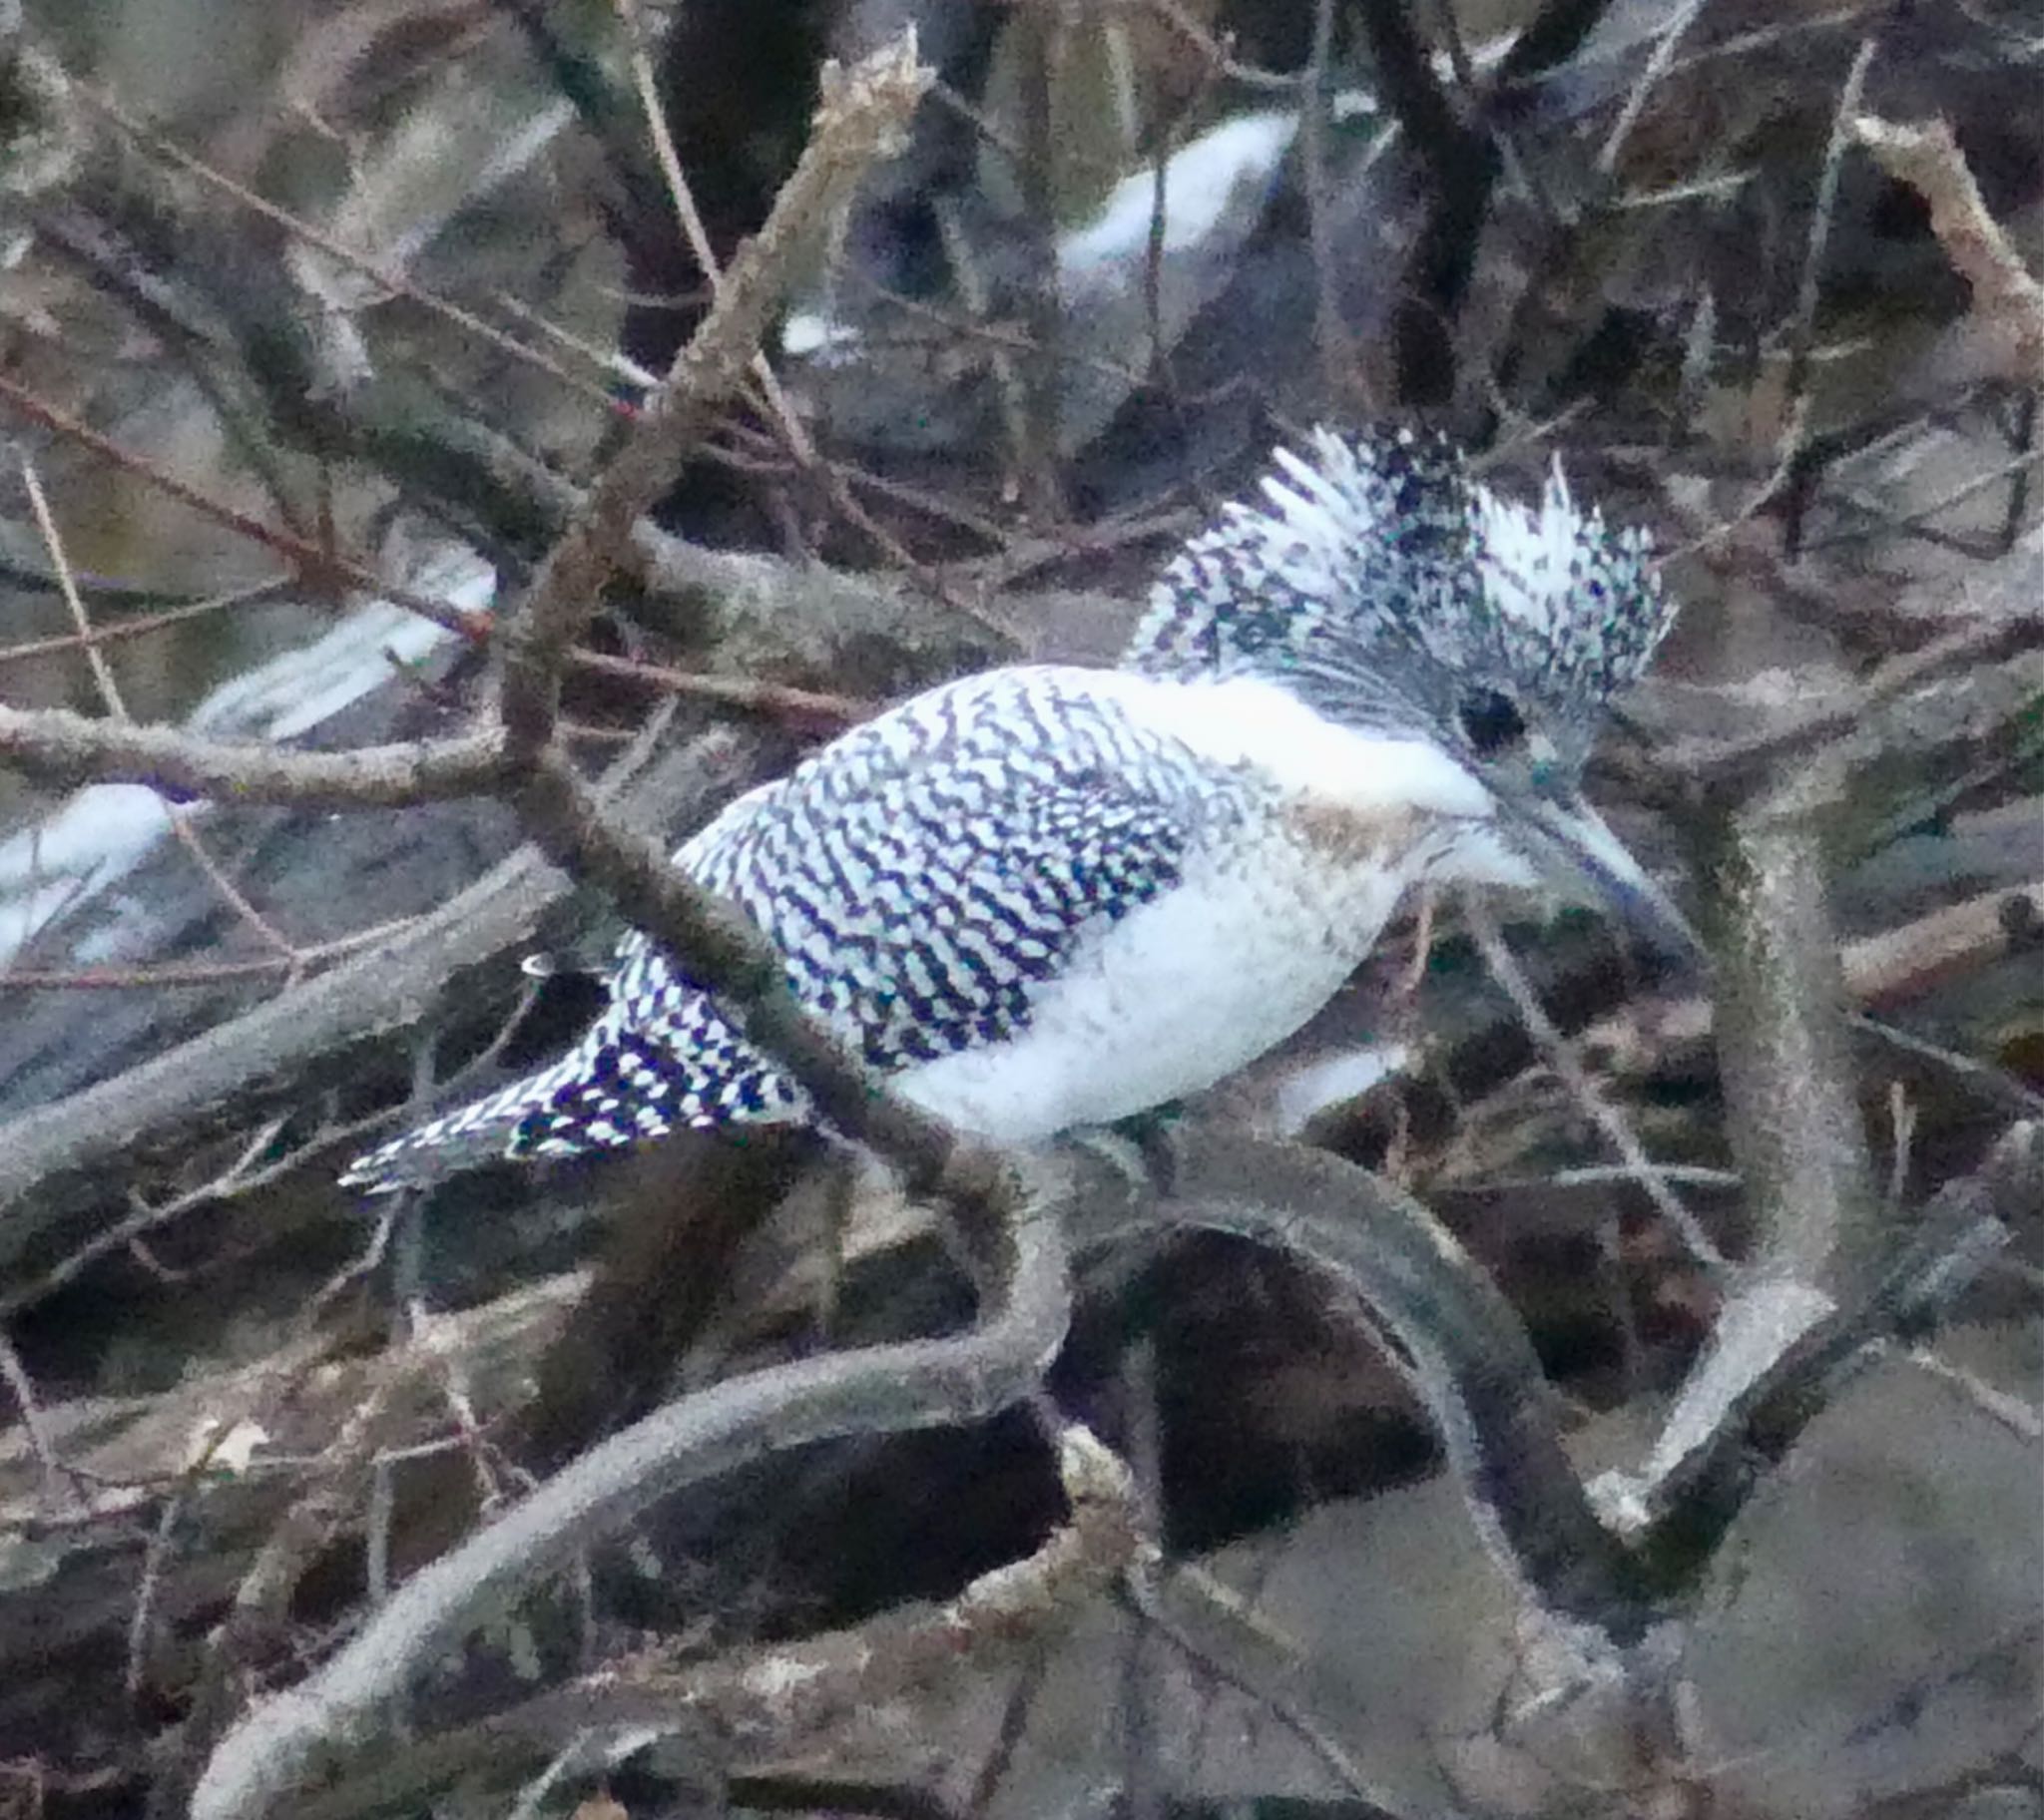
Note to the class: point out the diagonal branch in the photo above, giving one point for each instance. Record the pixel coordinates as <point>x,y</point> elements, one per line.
<point>1702,1470</point>
<point>863,116</point>
<point>314,560</point>
<point>730,956</point>
<point>52,1159</point>
<point>792,1699</point>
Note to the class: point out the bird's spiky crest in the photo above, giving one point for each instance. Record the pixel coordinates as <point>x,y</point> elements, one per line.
<point>1380,567</point>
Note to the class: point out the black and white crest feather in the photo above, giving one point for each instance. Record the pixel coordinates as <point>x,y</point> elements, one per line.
<point>1385,580</point>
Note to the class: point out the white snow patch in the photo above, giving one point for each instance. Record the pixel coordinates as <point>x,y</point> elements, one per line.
<point>103,831</point>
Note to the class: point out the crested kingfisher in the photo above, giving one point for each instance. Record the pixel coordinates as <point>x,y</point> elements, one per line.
<point>1048,896</point>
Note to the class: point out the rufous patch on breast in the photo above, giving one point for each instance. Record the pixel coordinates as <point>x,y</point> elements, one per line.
<point>1352,834</point>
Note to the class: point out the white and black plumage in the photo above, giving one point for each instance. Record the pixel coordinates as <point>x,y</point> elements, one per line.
<point>1048,896</point>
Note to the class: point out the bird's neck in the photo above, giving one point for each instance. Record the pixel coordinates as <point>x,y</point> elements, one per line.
<point>1238,720</point>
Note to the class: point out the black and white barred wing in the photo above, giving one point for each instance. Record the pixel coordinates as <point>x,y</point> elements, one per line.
<point>925,876</point>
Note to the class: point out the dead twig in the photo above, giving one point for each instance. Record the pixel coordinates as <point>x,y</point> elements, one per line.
<point>116,710</point>
<point>312,560</point>
<point>1810,287</point>
<point>166,975</point>
<point>55,746</point>
<point>2008,300</point>
<point>805,707</point>
<point>383,277</point>
<point>1560,1055</point>
<point>140,626</point>
<point>1688,768</point>
<point>1657,65</point>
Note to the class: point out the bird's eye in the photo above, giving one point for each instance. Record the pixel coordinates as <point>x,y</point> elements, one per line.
<point>1491,721</point>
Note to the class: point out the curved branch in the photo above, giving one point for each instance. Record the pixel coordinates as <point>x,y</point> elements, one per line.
<point>878,1390</point>
<point>793,1699</point>
<point>1471,1362</point>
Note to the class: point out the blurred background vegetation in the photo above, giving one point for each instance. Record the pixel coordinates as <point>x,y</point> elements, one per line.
<point>298,296</point>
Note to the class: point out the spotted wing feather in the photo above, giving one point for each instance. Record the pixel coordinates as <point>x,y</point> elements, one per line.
<point>923,876</point>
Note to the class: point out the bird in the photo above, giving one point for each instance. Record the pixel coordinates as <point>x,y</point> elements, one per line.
<point>1046,897</point>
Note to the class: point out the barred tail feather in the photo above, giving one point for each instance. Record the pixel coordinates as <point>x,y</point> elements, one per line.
<point>482,1130</point>
<point>622,1082</point>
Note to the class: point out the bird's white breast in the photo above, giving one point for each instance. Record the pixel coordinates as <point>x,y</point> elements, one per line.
<point>1257,936</point>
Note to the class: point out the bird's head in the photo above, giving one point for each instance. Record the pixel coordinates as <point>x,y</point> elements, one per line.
<point>1383,586</point>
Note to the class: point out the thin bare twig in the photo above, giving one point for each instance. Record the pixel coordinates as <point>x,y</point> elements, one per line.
<point>1219,55</point>
<point>386,278</point>
<point>139,627</point>
<point>2022,1419</point>
<point>1651,72</point>
<point>1803,331</point>
<point>14,1374</point>
<point>1560,1055</point>
<point>117,709</point>
<point>166,975</point>
<point>238,1178</point>
<point>56,747</point>
<point>149,1588</point>
<point>1043,36</point>
<point>808,707</point>
<point>314,560</point>
<point>654,112</point>
<point>1741,764</point>
<point>59,566</point>
<point>1203,1618</point>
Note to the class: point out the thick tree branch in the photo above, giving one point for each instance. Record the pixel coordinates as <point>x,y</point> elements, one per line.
<point>1785,1053</point>
<point>1701,1470</point>
<point>2006,295</point>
